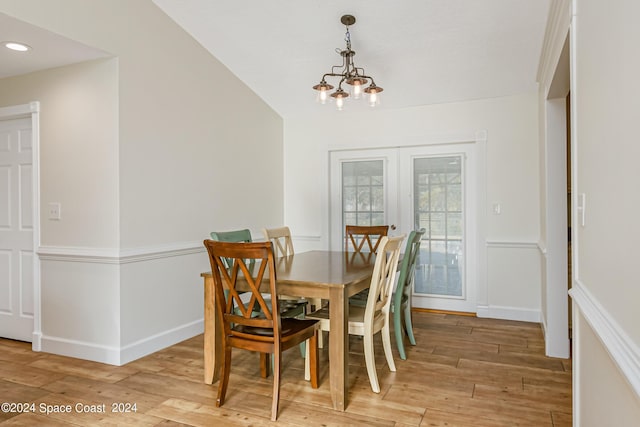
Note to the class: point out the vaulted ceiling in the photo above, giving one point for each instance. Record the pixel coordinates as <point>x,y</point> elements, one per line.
<point>420,51</point>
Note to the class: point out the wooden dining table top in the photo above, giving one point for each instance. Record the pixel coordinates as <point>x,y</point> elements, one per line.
<point>322,268</point>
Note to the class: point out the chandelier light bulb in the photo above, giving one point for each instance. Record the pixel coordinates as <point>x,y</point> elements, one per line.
<point>373,98</point>
<point>322,95</point>
<point>339,102</point>
<point>357,90</point>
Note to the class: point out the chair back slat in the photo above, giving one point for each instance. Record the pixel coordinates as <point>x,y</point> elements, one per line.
<point>236,236</point>
<point>356,236</point>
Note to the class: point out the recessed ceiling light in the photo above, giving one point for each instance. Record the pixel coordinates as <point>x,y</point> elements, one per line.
<point>20,47</point>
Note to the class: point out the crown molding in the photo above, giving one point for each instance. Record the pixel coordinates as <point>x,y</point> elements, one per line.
<point>558,23</point>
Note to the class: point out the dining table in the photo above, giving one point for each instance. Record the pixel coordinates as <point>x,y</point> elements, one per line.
<point>330,275</point>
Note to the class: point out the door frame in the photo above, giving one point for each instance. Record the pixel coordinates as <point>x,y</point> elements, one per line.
<point>478,139</point>
<point>32,110</point>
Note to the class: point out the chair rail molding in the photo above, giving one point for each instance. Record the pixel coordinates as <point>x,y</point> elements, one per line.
<point>513,244</point>
<point>624,352</point>
<point>117,256</point>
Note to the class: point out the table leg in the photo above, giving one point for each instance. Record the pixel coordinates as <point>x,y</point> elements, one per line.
<point>339,347</point>
<point>212,335</point>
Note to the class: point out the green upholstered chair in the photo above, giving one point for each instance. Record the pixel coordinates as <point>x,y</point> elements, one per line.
<point>401,304</point>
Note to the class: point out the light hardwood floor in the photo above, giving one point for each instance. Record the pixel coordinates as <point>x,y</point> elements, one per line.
<point>465,371</point>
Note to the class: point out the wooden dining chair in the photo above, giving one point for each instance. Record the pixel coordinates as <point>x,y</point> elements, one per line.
<point>268,333</point>
<point>363,241</point>
<point>374,317</point>
<point>280,237</point>
<point>401,305</point>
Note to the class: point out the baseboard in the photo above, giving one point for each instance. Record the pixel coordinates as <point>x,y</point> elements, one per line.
<point>81,350</point>
<point>120,355</point>
<point>36,341</point>
<point>159,341</point>
<point>509,313</point>
<point>430,310</point>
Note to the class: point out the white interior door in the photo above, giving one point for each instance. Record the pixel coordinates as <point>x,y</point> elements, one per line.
<point>16,229</point>
<point>410,188</point>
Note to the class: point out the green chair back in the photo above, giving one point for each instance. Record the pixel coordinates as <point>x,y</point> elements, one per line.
<point>402,297</point>
<point>234,236</point>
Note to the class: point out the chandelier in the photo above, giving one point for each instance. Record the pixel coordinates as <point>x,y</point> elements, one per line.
<point>348,73</point>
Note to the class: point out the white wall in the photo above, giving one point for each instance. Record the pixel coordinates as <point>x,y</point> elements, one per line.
<point>79,144</point>
<point>79,169</point>
<point>178,148</point>
<point>511,179</point>
<point>606,293</point>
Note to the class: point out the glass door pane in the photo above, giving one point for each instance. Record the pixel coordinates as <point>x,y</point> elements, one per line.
<point>363,188</point>
<point>438,208</point>
<point>363,193</point>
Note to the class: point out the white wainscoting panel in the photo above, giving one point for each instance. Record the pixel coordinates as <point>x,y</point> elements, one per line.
<point>91,304</point>
<point>624,352</point>
<point>513,281</point>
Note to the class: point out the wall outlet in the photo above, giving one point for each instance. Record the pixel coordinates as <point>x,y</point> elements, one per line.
<point>54,211</point>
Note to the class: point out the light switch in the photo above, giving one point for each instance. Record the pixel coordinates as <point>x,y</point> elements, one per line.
<point>497,208</point>
<point>54,211</point>
<point>582,206</point>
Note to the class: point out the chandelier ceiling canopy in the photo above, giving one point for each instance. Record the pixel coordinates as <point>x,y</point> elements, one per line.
<point>348,73</point>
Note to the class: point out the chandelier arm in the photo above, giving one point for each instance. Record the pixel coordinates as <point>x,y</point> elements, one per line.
<point>344,66</point>
<point>364,76</point>
<point>333,75</point>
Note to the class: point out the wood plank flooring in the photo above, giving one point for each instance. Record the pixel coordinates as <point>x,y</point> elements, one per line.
<point>465,371</point>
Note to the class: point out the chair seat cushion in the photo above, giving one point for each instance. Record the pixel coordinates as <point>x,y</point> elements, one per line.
<point>360,299</point>
<point>356,314</point>
<point>288,308</point>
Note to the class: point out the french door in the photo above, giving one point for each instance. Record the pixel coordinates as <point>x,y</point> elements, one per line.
<point>408,188</point>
